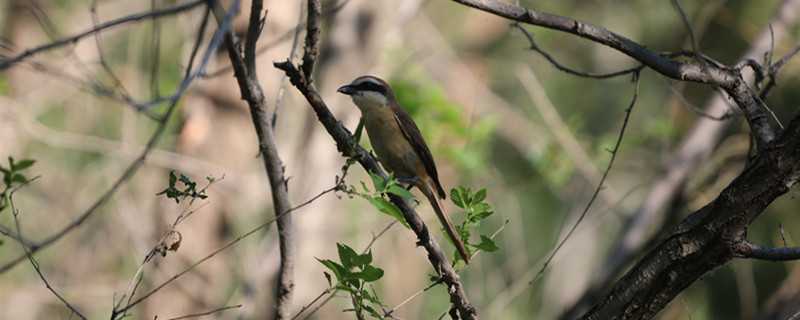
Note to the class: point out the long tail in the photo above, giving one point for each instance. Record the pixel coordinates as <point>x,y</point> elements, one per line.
<point>448,227</point>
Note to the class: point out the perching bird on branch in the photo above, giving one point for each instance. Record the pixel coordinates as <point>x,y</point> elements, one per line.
<point>399,145</point>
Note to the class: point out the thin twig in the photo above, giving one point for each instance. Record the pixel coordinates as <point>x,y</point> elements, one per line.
<point>599,187</point>
<point>29,255</point>
<point>6,63</point>
<point>338,186</point>
<point>535,47</point>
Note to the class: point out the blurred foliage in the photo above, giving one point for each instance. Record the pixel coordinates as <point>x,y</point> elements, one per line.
<point>441,120</point>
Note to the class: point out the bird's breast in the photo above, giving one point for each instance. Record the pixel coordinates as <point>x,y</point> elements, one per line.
<point>394,151</point>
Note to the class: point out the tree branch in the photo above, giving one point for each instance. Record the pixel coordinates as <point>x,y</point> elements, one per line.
<point>729,79</point>
<point>708,238</point>
<point>244,67</point>
<point>754,251</point>
<point>347,145</point>
<point>6,63</point>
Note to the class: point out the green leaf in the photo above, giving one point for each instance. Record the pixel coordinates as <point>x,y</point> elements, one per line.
<point>172,178</point>
<point>400,191</point>
<point>361,260</point>
<point>19,178</point>
<point>370,274</point>
<point>347,256</point>
<point>457,196</point>
<point>23,164</point>
<point>487,244</point>
<point>479,196</point>
<point>388,208</point>
<point>378,182</point>
<point>337,269</point>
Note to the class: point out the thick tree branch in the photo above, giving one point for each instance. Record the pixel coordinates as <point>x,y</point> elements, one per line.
<point>244,68</point>
<point>706,239</point>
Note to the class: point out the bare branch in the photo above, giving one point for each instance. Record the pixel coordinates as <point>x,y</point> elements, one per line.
<point>311,51</point>
<point>709,237</point>
<point>6,63</point>
<point>754,251</point>
<point>535,47</point>
<point>244,68</point>
<point>599,187</point>
<point>29,255</point>
<point>704,70</point>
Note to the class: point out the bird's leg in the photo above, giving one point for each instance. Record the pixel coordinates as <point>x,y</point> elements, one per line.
<point>410,182</point>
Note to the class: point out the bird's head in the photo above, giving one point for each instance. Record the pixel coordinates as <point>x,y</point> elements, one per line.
<point>368,92</point>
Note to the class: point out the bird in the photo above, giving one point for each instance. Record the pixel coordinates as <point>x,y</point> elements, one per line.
<point>399,145</point>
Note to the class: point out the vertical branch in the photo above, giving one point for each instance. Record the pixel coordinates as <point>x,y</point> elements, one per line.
<point>244,68</point>
<point>312,39</point>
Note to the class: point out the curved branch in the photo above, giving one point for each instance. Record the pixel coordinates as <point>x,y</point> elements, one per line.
<point>729,79</point>
<point>708,238</point>
<point>686,71</point>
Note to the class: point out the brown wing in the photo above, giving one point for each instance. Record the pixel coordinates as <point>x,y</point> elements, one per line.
<point>413,135</point>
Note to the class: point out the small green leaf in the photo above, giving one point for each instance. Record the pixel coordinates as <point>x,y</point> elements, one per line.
<point>479,196</point>
<point>23,164</point>
<point>456,196</point>
<point>172,178</point>
<point>328,277</point>
<point>19,178</point>
<point>347,256</point>
<point>378,182</point>
<point>487,244</point>
<point>361,260</point>
<point>370,274</point>
<point>400,191</point>
<point>388,208</point>
<point>337,269</point>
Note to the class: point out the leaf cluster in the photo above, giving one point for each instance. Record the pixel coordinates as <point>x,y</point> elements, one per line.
<point>475,211</point>
<point>353,273</point>
<point>13,176</point>
<point>187,190</point>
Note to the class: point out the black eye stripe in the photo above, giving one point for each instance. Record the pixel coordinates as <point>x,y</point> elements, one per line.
<point>370,86</point>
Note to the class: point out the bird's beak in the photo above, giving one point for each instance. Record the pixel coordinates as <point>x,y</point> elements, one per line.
<point>346,89</point>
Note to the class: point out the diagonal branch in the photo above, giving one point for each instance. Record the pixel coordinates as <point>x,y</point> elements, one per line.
<point>347,145</point>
